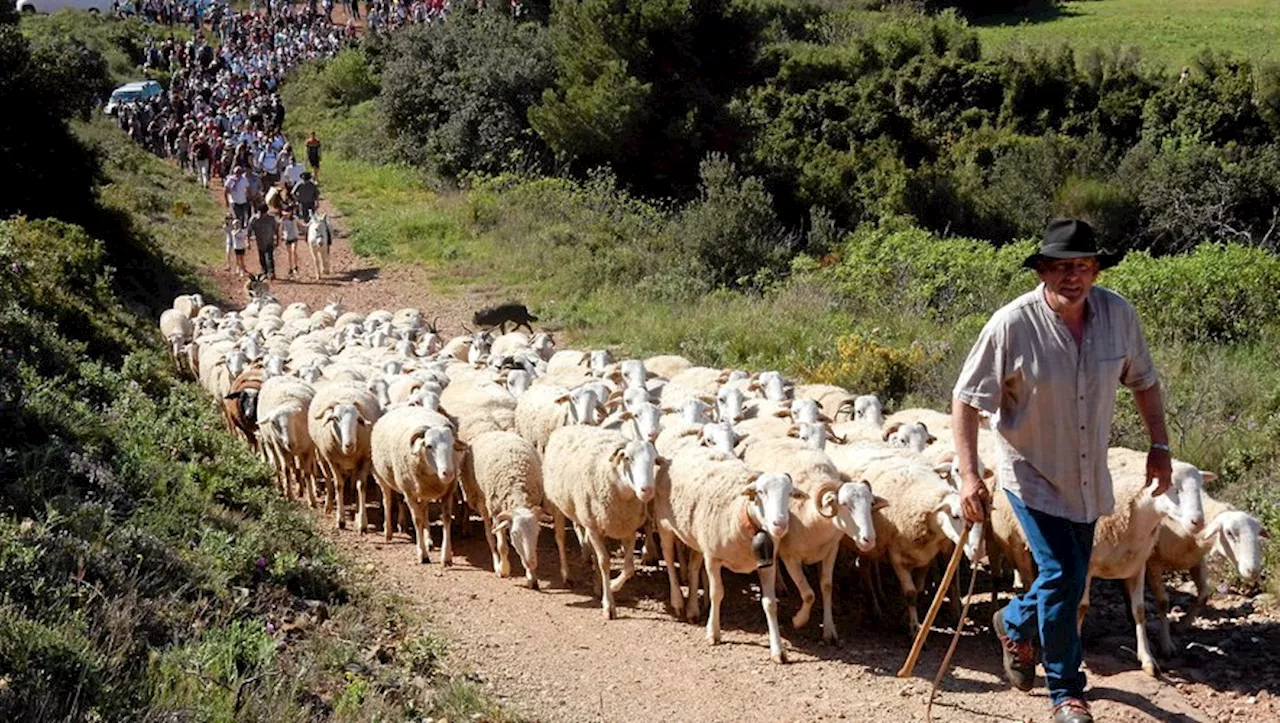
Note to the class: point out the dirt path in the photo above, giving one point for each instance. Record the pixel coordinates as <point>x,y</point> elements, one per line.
<point>551,656</point>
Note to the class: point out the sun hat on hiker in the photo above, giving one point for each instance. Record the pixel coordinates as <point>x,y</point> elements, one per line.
<point>1069,238</point>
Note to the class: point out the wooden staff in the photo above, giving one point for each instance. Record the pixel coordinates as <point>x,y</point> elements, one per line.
<point>952,567</point>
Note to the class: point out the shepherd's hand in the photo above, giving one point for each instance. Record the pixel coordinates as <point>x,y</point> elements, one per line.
<point>1159,470</point>
<point>975,498</point>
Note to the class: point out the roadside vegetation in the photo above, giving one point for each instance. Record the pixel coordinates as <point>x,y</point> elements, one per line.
<point>841,195</point>
<point>149,568</point>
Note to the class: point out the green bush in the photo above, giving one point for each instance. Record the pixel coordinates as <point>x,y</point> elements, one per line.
<point>348,80</point>
<point>1218,293</point>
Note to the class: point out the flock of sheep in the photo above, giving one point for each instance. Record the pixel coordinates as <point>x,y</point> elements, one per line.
<point>702,459</point>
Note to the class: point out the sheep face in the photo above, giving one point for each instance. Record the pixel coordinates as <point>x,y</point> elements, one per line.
<point>393,366</point>
<point>805,410</point>
<point>599,361</point>
<point>237,360</point>
<point>523,526</point>
<point>379,387</point>
<point>648,421</point>
<point>721,436</point>
<point>429,344</point>
<point>868,409</point>
<point>850,506</point>
<point>426,399</point>
<point>584,405</point>
<point>1184,501</point>
<point>274,366</point>
<point>518,381</point>
<point>309,374</point>
<point>635,398</point>
<point>774,386</point>
<point>543,345</point>
<point>772,495</point>
<point>633,373</point>
<point>637,464</point>
<point>436,447</point>
<point>812,434</point>
<point>729,403</point>
<point>695,411</point>
<point>915,437</point>
<point>347,421</point>
<point>1238,537</point>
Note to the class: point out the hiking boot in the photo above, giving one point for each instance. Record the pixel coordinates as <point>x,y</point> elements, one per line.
<point>1072,710</point>
<point>1019,658</point>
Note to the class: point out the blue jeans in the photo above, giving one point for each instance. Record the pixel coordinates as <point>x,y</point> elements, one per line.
<point>1061,549</point>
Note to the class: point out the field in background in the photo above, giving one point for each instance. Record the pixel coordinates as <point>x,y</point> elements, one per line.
<point>1170,32</point>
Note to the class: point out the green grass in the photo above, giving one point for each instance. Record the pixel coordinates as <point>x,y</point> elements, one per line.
<point>1169,32</point>
<point>120,42</point>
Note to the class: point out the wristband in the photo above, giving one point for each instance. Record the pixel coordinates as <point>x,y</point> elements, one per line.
<point>1164,447</point>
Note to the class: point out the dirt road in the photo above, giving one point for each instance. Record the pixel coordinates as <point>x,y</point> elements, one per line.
<point>552,656</point>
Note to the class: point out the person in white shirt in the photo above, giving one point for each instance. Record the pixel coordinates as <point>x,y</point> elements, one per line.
<point>237,189</point>
<point>292,173</point>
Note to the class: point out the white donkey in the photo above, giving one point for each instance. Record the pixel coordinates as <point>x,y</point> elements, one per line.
<point>320,238</point>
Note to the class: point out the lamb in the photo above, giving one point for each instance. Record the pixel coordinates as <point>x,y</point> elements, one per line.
<point>341,416</point>
<point>715,506</point>
<point>603,483</point>
<point>283,403</point>
<point>177,329</point>
<point>1231,533</point>
<point>188,305</point>
<point>502,479</point>
<point>414,453</point>
<point>840,507</point>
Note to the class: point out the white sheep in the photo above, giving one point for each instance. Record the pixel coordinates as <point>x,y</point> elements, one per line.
<point>283,403</point>
<point>414,453</point>
<point>603,483</point>
<point>666,365</point>
<point>339,422</point>
<point>716,505</point>
<point>1229,533</point>
<point>502,479</point>
<point>543,409</point>
<point>832,399</point>
<point>841,507</point>
<point>189,304</point>
<point>177,329</point>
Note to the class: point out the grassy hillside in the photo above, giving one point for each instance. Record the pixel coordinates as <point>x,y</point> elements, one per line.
<point>1170,32</point>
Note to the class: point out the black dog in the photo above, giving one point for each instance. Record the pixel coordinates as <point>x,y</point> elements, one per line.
<point>500,316</point>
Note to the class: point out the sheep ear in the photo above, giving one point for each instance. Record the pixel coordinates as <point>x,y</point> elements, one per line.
<point>793,431</point>
<point>988,473</point>
<point>1262,533</point>
<point>504,524</point>
<point>943,470</point>
<point>460,446</point>
<point>503,517</point>
<point>1209,476</point>
<point>750,492</point>
<point>931,439</point>
<point>706,399</point>
<point>626,416</point>
<point>543,515</point>
<point>562,399</point>
<point>619,455</point>
<point>878,503</point>
<point>234,395</point>
<point>668,410</point>
<point>782,414</point>
<point>661,461</point>
<point>751,478</point>
<point>824,418</point>
<point>799,494</point>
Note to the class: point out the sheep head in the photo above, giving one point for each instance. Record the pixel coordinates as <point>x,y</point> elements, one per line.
<point>868,409</point>
<point>849,504</point>
<point>721,436</point>
<point>523,525</point>
<point>347,421</point>
<point>1238,536</point>
<point>1184,501</point>
<point>439,449</point>
<point>771,494</point>
<point>637,464</point>
<point>729,403</point>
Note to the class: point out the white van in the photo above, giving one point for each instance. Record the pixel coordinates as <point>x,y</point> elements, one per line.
<point>52,6</point>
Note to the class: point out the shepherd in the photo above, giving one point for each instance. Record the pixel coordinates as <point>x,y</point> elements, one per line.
<point>1046,368</point>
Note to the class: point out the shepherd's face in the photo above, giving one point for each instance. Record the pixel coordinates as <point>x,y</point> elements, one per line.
<point>1070,280</point>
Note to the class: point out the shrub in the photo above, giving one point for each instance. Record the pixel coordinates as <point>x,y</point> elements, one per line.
<point>1218,293</point>
<point>347,78</point>
<point>731,228</point>
<point>862,363</point>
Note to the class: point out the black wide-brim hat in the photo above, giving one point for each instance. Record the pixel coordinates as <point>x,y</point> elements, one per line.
<point>1069,238</point>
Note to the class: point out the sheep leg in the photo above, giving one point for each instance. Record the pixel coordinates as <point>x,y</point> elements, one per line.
<point>421,534</point>
<point>557,524</point>
<point>628,565</point>
<point>909,592</point>
<point>1200,574</point>
<point>504,556</point>
<point>1138,607</point>
<point>388,512</point>
<point>796,569</point>
<point>488,537</point>
<point>1155,580</point>
<point>362,499</point>
<point>668,539</point>
<point>446,519</point>
<point>870,570</point>
<point>340,483</point>
<point>829,633</point>
<point>715,590</point>
<point>691,606</point>
<point>1083,608</point>
<point>649,553</point>
<point>769,601</point>
<point>602,566</point>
